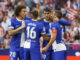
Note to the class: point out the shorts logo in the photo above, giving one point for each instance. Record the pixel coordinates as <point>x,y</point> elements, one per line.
<point>12,54</point>
<point>43,56</point>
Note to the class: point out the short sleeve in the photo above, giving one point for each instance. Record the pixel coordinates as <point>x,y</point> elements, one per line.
<point>54,27</point>
<point>11,24</point>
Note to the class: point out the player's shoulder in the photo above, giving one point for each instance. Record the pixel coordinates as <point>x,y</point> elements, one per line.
<point>55,24</point>
<point>13,20</point>
<point>27,18</point>
<point>36,21</point>
<point>26,21</point>
<point>40,23</point>
<point>45,21</point>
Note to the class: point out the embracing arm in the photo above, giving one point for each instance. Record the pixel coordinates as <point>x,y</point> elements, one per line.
<point>53,38</point>
<point>64,22</point>
<point>13,32</point>
<point>45,37</point>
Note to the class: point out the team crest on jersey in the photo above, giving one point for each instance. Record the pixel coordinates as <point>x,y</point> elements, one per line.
<point>54,29</point>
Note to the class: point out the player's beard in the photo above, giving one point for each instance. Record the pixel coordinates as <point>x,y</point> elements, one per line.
<point>47,18</point>
<point>23,17</point>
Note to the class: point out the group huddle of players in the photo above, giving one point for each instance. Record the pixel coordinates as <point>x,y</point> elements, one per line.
<point>27,31</point>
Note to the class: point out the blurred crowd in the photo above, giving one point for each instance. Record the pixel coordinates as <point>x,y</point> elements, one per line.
<point>70,10</point>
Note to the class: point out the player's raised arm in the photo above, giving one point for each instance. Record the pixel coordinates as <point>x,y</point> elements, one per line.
<point>64,22</point>
<point>61,21</point>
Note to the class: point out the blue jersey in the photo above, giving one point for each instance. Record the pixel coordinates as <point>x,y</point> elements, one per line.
<point>57,26</point>
<point>58,45</point>
<point>47,27</point>
<point>19,38</point>
<point>48,33</point>
<point>17,41</point>
<point>27,18</point>
<point>34,29</point>
<point>64,22</point>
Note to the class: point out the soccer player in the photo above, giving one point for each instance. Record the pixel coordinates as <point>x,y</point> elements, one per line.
<point>34,30</point>
<point>17,33</point>
<point>46,55</point>
<point>47,24</point>
<point>56,40</point>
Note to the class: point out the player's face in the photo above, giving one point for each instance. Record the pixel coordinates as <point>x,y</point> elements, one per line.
<point>52,14</point>
<point>55,18</point>
<point>46,15</point>
<point>23,13</point>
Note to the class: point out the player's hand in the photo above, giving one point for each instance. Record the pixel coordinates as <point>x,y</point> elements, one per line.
<point>23,26</point>
<point>44,49</point>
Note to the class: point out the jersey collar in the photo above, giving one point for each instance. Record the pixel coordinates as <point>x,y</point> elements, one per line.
<point>18,19</point>
<point>46,20</point>
<point>34,20</point>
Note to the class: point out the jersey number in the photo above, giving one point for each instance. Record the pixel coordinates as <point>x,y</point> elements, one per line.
<point>31,33</point>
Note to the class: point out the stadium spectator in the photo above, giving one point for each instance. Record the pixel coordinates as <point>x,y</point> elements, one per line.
<point>27,9</point>
<point>36,1</point>
<point>42,6</point>
<point>2,33</point>
<point>7,41</point>
<point>7,11</point>
<point>38,9</point>
<point>5,24</point>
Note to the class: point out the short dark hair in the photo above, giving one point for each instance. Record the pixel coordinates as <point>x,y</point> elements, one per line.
<point>58,14</point>
<point>47,9</point>
<point>18,9</point>
<point>34,13</point>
